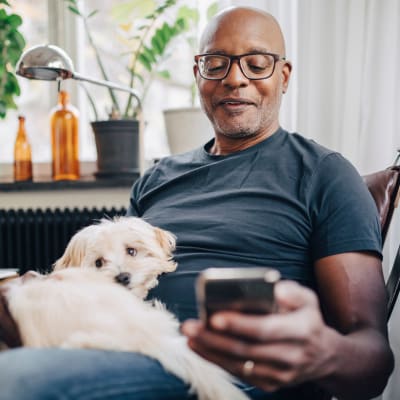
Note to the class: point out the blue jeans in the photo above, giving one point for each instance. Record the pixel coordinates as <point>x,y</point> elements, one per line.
<point>50,374</point>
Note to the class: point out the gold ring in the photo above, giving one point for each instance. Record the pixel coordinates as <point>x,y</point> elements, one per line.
<point>248,367</point>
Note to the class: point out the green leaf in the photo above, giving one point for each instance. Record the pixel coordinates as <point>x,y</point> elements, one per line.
<point>189,14</point>
<point>181,25</point>
<point>14,21</point>
<point>149,54</point>
<point>13,56</point>
<point>166,32</point>
<point>12,84</point>
<point>10,103</point>
<point>94,12</point>
<point>74,10</point>
<point>3,108</point>
<point>140,77</point>
<point>212,10</point>
<point>5,2</point>
<point>17,40</point>
<point>132,9</point>
<point>163,34</point>
<point>144,26</point>
<point>164,74</point>
<point>3,14</point>
<point>144,61</point>
<point>157,43</point>
<point>136,75</point>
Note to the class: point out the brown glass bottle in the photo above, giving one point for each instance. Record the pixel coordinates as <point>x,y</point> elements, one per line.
<point>22,154</point>
<point>64,124</point>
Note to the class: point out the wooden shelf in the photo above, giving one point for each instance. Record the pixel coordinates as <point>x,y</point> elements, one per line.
<point>43,182</point>
<point>86,182</point>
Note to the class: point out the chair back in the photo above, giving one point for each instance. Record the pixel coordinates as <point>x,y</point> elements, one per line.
<point>385,189</point>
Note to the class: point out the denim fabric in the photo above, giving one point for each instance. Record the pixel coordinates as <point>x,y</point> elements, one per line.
<point>58,374</point>
<point>50,374</point>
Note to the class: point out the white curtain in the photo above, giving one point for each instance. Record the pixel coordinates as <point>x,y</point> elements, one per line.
<point>345,91</point>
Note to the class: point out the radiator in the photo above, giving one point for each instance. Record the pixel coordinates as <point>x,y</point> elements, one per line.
<point>35,239</point>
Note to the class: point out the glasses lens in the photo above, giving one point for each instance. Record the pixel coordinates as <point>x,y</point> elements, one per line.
<point>257,66</point>
<point>213,66</point>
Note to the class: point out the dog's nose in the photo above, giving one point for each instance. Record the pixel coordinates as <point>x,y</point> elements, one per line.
<point>124,278</point>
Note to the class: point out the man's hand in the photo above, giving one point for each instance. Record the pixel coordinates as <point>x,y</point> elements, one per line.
<point>271,351</point>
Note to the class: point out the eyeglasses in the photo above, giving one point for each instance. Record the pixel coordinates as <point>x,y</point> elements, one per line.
<point>254,66</point>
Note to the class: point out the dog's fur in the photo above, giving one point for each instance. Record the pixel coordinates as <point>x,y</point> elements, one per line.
<point>85,308</point>
<point>128,249</point>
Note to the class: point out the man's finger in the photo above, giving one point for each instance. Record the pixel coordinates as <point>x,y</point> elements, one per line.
<point>290,296</point>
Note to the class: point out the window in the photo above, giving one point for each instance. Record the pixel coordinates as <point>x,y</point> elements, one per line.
<point>49,21</point>
<point>34,102</point>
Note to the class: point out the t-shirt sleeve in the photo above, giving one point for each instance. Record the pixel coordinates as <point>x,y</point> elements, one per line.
<point>132,208</point>
<point>136,192</point>
<point>343,212</point>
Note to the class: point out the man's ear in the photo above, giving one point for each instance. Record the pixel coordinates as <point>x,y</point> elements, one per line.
<point>195,70</point>
<point>286,72</point>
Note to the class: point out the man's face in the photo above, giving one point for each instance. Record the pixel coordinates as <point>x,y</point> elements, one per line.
<point>236,106</point>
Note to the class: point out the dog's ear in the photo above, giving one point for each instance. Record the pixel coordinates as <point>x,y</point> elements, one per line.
<point>76,249</point>
<point>166,239</point>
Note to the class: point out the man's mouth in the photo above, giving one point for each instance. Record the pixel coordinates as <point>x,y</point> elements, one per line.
<point>231,103</point>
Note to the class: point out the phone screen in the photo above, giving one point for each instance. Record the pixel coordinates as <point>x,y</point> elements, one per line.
<point>247,290</point>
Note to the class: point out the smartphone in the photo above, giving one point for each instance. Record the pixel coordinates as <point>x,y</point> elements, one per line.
<point>247,290</point>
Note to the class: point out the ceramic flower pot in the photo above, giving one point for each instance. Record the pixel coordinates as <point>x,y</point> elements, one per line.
<point>187,128</point>
<point>118,148</point>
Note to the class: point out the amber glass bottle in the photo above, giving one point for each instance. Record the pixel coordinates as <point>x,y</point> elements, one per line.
<point>64,139</point>
<point>22,154</point>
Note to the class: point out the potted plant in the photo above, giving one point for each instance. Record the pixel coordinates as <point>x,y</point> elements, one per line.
<point>182,120</point>
<point>12,44</point>
<point>147,39</point>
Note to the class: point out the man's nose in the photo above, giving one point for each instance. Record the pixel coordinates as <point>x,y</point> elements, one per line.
<point>235,76</point>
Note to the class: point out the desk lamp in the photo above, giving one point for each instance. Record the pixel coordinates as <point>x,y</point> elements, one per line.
<point>51,63</point>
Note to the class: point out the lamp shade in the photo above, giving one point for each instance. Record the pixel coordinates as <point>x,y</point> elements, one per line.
<point>45,62</point>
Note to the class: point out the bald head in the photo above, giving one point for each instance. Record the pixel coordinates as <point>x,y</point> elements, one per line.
<point>236,18</point>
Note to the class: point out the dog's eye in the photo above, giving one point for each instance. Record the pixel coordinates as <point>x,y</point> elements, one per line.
<point>98,263</point>
<point>131,251</point>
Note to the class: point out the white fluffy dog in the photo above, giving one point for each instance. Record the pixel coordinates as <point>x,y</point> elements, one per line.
<point>85,307</point>
<point>127,249</point>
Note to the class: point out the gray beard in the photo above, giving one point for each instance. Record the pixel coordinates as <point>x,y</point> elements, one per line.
<point>238,134</point>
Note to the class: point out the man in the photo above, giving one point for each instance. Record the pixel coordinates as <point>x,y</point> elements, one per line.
<point>260,196</point>
<point>255,195</point>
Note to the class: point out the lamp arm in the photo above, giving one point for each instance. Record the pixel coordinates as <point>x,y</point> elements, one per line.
<point>110,85</point>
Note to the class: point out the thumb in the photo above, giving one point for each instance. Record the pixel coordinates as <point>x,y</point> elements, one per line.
<point>291,296</point>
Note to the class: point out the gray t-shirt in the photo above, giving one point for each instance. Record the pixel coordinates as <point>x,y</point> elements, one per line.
<point>282,203</point>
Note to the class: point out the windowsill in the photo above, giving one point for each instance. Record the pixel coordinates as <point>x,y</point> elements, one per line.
<point>42,179</point>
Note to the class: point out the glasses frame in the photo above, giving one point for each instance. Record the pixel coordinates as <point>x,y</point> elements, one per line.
<point>231,58</point>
